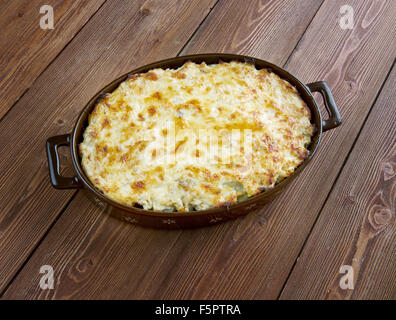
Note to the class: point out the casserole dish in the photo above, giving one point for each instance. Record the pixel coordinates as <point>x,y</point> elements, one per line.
<point>152,218</point>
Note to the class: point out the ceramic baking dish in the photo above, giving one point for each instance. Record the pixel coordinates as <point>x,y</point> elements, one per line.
<point>159,219</point>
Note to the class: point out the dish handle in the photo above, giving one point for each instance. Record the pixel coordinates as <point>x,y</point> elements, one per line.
<point>334,119</point>
<point>57,180</point>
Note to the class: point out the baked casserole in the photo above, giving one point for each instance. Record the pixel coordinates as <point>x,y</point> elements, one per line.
<point>195,137</point>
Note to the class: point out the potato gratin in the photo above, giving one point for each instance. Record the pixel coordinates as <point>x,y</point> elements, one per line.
<point>195,137</point>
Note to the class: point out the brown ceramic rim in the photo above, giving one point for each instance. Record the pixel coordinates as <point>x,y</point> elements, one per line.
<point>152,218</point>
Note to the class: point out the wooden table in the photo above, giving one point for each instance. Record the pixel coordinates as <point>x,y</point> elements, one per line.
<point>340,211</point>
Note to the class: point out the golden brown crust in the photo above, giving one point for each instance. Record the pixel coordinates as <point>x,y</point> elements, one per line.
<point>127,159</point>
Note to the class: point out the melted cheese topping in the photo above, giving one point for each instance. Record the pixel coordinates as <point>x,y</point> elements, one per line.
<point>153,140</point>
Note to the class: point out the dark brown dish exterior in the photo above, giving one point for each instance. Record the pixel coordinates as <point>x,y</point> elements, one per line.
<point>173,220</point>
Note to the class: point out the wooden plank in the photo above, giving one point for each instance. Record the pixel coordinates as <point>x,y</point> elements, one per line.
<point>144,31</point>
<point>249,28</point>
<point>357,225</point>
<point>26,49</point>
<point>95,256</point>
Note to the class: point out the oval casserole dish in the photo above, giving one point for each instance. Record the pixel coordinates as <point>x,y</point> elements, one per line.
<point>161,219</point>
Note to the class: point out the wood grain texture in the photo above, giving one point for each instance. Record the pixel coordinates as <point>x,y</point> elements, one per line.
<point>99,257</point>
<point>122,35</point>
<point>262,29</point>
<point>95,256</point>
<point>357,225</point>
<point>26,49</point>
